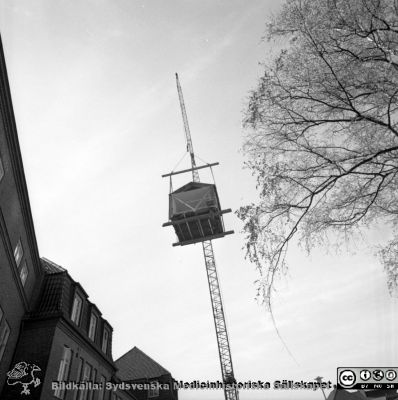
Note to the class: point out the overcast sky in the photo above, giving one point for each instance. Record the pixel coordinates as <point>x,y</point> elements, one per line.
<point>99,121</point>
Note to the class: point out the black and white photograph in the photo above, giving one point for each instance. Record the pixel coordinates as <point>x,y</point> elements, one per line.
<point>198,199</point>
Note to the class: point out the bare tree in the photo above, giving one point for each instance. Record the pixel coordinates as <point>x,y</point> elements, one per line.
<point>322,131</point>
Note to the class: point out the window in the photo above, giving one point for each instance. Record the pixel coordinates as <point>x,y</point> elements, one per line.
<point>76,309</point>
<point>4,333</point>
<point>1,169</point>
<point>1,346</point>
<point>63,371</point>
<point>86,372</point>
<point>105,340</point>
<point>153,390</point>
<point>85,378</point>
<point>93,327</point>
<point>23,273</point>
<point>18,252</point>
<point>93,379</point>
<point>101,394</point>
<point>78,376</point>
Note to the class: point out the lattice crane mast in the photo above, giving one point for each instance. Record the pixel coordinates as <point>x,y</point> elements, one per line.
<point>196,215</point>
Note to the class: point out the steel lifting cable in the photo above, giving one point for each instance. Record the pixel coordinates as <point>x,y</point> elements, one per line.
<point>179,162</point>
<point>211,168</point>
<point>214,179</point>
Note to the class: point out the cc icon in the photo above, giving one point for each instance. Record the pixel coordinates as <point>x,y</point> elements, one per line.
<point>347,378</point>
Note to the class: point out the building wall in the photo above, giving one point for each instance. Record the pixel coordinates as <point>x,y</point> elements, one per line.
<point>71,290</point>
<point>14,203</point>
<point>42,343</point>
<point>48,329</point>
<point>34,347</point>
<point>13,226</point>
<point>12,307</point>
<point>82,353</point>
<point>170,394</point>
<point>16,225</point>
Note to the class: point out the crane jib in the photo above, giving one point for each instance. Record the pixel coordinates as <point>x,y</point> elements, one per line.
<point>196,216</point>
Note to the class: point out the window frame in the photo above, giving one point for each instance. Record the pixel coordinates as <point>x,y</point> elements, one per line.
<point>78,376</point>
<point>93,379</point>
<point>92,333</point>
<point>64,370</point>
<point>18,255</point>
<point>2,170</point>
<point>101,394</point>
<point>76,315</point>
<point>105,342</point>
<point>24,278</point>
<point>152,393</point>
<point>5,331</point>
<point>87,367</point>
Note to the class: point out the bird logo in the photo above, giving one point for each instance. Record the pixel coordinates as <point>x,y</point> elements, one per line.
<point>24,374</point>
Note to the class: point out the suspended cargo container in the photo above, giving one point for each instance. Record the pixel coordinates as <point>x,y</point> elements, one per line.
<point>195,213</point>
<point>193,198</point>
<point>200,201</point>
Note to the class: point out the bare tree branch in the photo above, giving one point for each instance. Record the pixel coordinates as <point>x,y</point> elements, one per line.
<point>322,131</point>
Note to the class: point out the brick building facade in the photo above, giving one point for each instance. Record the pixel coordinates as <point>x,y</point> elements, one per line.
<point>49,330</point>
<point>137,367</point>
<point>20,271</point>
<point>66,337</point>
